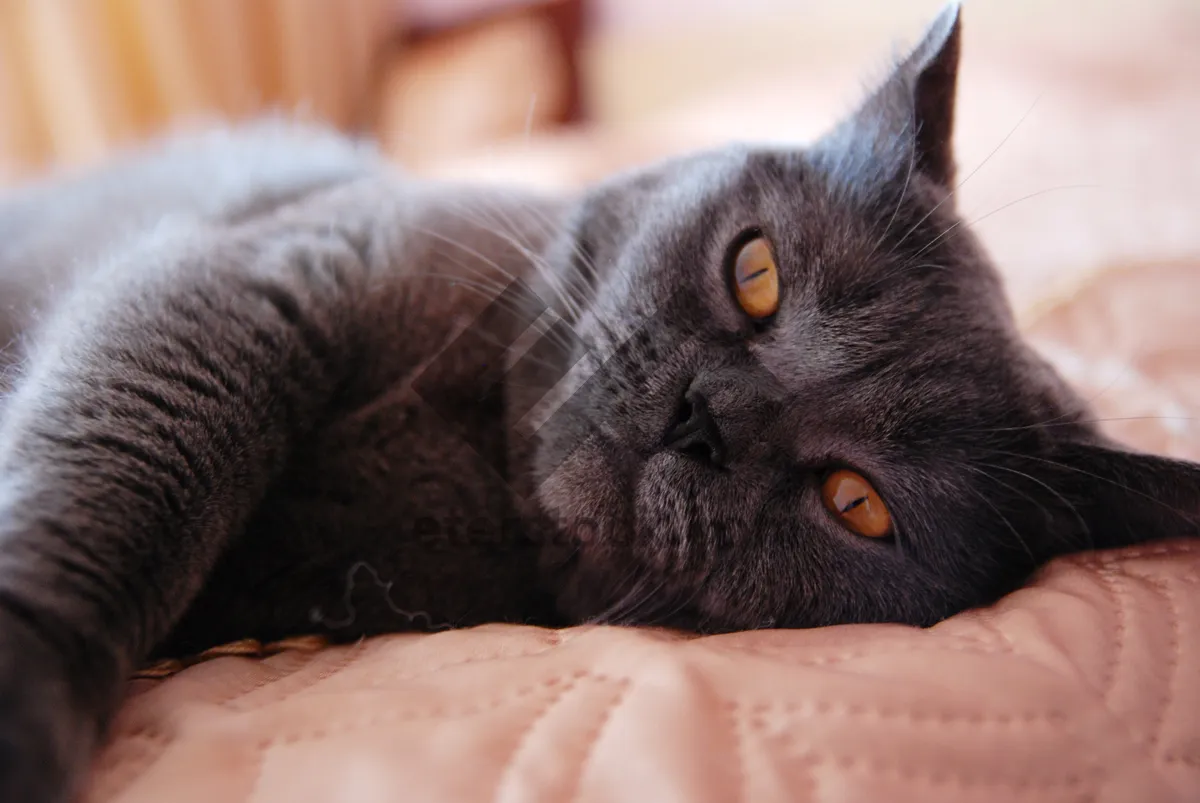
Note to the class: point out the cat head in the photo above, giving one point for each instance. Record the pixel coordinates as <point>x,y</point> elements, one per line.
<point>804,400</point>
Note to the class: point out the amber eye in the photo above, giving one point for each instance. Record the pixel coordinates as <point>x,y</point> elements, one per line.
<point>856,504</point>
<point>756,279</point>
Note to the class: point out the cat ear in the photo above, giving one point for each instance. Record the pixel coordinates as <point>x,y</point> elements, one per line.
<point>1126,498</point>
<point>909,119</point>
<point>932,68</point>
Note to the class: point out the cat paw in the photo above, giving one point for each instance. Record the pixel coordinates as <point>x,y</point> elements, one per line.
<point>45,744</point>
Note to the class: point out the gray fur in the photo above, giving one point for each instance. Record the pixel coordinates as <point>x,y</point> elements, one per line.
<point>257,385</point>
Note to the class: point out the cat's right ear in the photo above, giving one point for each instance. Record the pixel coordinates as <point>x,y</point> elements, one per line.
<point>1122,497</point>
<point>907,122</point>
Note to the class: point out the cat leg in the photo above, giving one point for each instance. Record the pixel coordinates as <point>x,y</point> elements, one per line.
<point>157,403</point>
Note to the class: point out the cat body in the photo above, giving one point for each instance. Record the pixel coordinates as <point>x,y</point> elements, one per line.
<point>259,383</point>
<point>402,263</point>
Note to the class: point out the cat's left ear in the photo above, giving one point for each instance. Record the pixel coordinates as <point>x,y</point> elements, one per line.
<point>932,71</point>
<point>908,121</point>
<point>1125,497</point>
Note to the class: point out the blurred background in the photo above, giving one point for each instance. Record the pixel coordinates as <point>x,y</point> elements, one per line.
<point>1082,116</point>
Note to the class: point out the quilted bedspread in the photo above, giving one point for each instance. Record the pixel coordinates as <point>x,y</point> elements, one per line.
<point>1082,686</point>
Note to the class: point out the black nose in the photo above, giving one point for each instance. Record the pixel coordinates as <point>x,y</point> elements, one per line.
<point>694,431</point>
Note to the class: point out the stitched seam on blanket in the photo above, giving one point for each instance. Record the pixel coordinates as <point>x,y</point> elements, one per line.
<point>561,691</point>
<point>822,708</point>
<point>438,712</point>
<point>1171,606</point>
<point>1108,580</point>
<point>593,739</point>
<point>348,656</point>
<point>475,659</point>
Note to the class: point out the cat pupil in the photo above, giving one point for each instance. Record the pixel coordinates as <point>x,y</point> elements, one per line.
<point>854,504</point>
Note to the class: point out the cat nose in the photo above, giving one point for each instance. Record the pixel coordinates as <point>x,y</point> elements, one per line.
<point>694,431</point>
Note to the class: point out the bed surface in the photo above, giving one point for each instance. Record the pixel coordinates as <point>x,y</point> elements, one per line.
<point>1084,686</point>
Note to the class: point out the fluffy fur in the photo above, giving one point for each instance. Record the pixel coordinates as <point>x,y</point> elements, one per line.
<point>259,384</point>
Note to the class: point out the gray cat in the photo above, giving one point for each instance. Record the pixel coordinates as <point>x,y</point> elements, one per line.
<point>259,384</point>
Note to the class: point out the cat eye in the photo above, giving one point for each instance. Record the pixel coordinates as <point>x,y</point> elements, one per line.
<point>856,504</point>
<point>756,279</point>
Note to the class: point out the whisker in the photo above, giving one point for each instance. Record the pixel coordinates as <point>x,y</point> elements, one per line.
<point>667,614</point>
<point>912,162</point>
<point>1055,422</point>
<point>629,586</point>
<point>470,251</point>
<point>646,599</point>
<point>1017,535</point>
<point>562,292</point>
<point>1074,511</point>
<point>961,224</point>
<point>498,288</point>
<point>550,226</point>
<point>968,177</point>
<point>485,290</point>
<point>494,292</point>
<point>1108,480</point>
